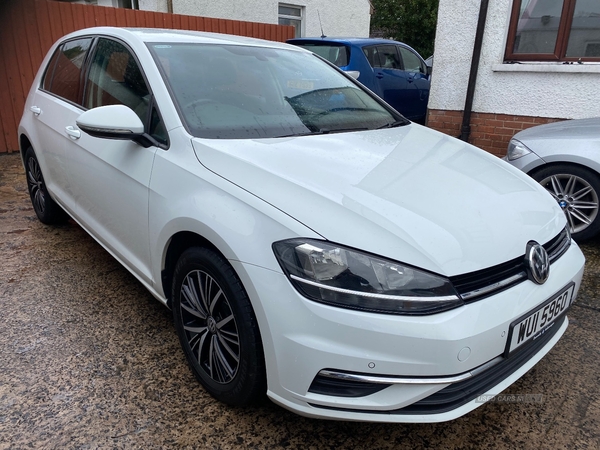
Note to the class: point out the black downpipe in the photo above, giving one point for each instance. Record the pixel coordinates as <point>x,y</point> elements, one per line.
<point>465,129</point>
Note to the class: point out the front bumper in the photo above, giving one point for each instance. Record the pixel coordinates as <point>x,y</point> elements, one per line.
<point>302,338</point>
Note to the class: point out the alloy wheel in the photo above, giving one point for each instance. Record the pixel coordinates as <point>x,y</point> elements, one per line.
<point>210,327</point>
<point>577,198</point>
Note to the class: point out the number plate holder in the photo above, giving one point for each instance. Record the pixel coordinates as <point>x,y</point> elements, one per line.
<point>533,324</point>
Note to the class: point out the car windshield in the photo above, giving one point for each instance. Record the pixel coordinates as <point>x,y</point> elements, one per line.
<point>242,92</point>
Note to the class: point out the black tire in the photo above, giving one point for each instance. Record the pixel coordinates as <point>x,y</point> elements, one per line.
<point>46,209</point>
<point>224,350</point>
<point>577,190</point>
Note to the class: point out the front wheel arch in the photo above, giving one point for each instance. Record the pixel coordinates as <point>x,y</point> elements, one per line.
<point>231,328</point>
<point>178,244</point>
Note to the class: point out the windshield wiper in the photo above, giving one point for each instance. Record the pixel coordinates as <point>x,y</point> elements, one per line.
<point>324,131</point>
<point>394,124</point>
<point>307,133</point>
<point>342,130</point>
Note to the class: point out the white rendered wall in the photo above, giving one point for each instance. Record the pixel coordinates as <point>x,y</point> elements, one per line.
<point>339,17</point>
<point>528,89</point>
<point>153,5</point>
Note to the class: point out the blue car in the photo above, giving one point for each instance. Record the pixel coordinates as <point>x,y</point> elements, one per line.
<point>391,69</point>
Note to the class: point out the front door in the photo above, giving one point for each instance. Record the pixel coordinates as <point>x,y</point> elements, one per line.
<point>111,177</point>
<point>416,72</point>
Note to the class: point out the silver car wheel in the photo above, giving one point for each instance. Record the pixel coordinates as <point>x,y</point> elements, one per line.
<point>210,326</point>
<point>577,198</point>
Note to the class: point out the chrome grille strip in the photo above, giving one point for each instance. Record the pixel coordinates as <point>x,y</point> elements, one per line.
<point>560,247</point>
<point>556,247</point>
<point>493,287</point>
<point>382,379</point>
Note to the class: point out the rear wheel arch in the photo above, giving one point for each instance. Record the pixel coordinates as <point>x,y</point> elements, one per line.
<point>24,144</point>
<point>46,209</point>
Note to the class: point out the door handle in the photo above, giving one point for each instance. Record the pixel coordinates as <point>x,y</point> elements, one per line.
<point>35,110</point>
<point>73,132</point>
<point>379,75</point>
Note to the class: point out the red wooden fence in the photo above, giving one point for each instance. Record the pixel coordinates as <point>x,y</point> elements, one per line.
<point>28,28</point>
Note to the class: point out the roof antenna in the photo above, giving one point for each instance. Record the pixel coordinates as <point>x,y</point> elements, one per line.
<point>321,25</point>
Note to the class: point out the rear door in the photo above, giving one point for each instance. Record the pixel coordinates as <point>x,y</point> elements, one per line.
<point>55,107</point>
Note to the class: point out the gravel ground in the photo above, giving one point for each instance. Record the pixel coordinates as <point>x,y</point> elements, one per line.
<point>88,359</point>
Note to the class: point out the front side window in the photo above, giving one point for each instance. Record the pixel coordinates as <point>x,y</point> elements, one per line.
<point>63,75</point>
<point>383,56</point>
<point>412,63</point>
<point>559,30</point>
<point>116,79</point>
<point>239,92</point>
<point>291,15</point>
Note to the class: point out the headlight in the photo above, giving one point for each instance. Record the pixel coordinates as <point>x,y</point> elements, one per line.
<point>347,278</point>
<point>516,150</point>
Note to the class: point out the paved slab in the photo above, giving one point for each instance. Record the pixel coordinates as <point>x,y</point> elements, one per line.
<point>88,359</point>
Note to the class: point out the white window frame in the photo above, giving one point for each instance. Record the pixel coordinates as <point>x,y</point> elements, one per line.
<point>299,18</point>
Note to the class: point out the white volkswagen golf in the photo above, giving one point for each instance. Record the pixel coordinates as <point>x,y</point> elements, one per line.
<point>312,244</point>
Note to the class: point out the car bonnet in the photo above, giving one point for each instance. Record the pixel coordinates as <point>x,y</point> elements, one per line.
<point>407,193</point>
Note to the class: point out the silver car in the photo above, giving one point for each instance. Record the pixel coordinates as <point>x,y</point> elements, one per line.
<point>564,157</point>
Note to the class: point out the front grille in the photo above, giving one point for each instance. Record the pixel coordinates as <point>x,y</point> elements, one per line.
<point>483,283</point>
<point>461,393</point>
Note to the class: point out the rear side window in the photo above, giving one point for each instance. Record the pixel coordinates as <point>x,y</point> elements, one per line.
<point>63,76</point>
<point>338,54</point>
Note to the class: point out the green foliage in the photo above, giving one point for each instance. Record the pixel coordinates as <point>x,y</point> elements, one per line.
<point>410,21</point>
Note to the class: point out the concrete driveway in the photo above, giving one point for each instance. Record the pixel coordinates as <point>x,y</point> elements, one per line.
<point>88,359</point>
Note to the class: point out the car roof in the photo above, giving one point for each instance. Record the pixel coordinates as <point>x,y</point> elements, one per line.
<point>345,40</point>
<point>175,36</point>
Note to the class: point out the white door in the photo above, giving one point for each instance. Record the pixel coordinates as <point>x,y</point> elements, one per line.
<point>111,177</point>
<point>55,107</point>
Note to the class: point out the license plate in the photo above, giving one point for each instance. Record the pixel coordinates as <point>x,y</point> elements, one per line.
<point>536,323</point>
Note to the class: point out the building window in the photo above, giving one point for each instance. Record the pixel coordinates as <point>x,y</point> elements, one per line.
<point>129,4</point>
<point>554,30</point>
<point>291,15</point>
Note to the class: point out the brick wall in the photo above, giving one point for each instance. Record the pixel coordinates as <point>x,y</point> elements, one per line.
<point>490,132</point>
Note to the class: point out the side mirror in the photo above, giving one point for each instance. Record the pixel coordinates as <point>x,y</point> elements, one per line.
<point>111,122</point>
<point>353,73</point>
